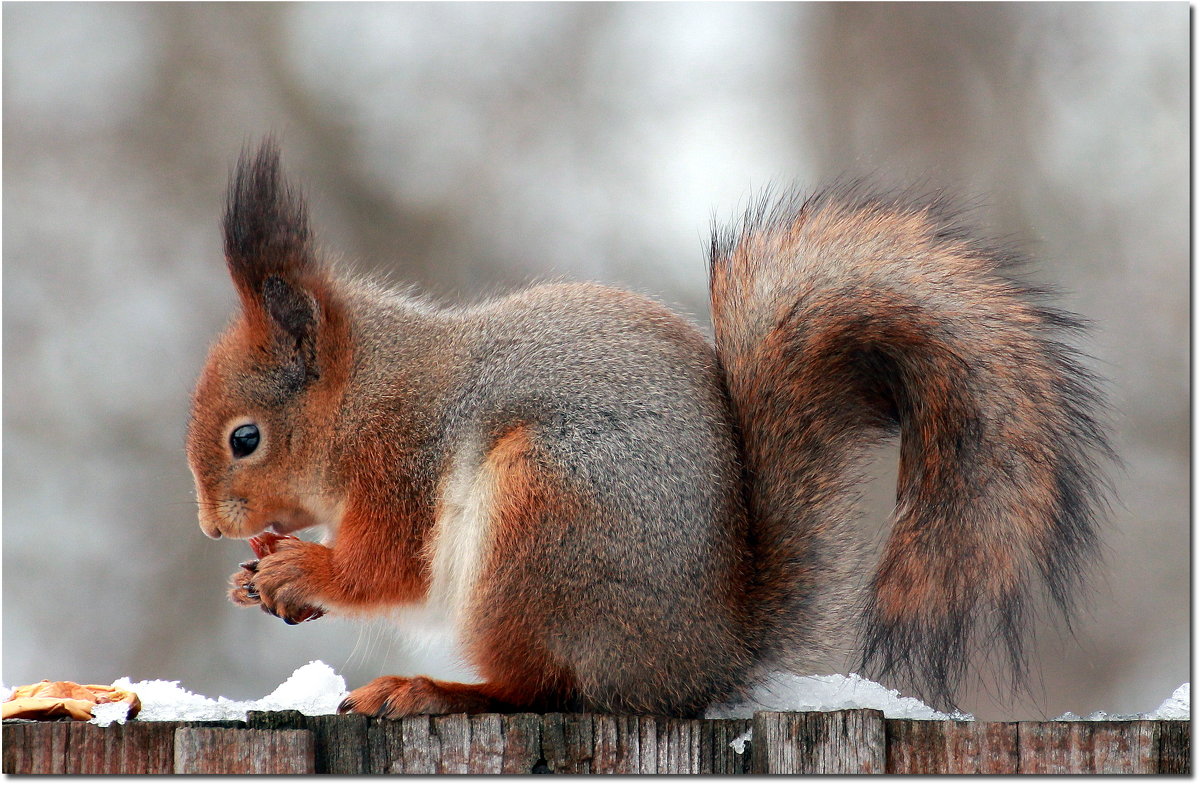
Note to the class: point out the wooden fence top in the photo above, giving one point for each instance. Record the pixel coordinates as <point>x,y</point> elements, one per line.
<point>856,741</point>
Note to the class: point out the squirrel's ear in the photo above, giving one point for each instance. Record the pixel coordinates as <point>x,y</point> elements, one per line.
<point>293,315</point>
<point>269,251</point>
<point>265,227</point>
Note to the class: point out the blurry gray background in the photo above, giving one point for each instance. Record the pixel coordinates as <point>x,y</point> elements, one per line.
<point>470,149</point>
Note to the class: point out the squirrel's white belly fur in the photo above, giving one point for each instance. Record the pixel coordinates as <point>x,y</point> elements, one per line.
<point>460,534</point>
<point>456,551</point>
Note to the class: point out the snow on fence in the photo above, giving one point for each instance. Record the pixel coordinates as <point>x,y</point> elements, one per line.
<point>849,741</point>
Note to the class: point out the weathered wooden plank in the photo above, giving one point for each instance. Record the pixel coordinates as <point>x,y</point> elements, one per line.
<point>453,737</point>
<point>678,746</point>
<point>836,742</point>
<point>1174,746</point>
<point>35,748</point>
<point>384,751</point>
<point>852,741</point>
<point>476,744</point>
<point>243,751</point>
<point>704,746</point>
<point>522,743</point>
<point>1087,748</point>
<point>132,748</point>
<point>932,747</point>
<point>339,740</point>
<point>419,752</point>
<point>65,747</point>
<point>454,744</point>
<point>726,760</point>
<point>485,744</point>
<point>339,743</point>
<point>567,746</point>
<point>615,748</point>
<point>405,746</point>
<point>647,745</point>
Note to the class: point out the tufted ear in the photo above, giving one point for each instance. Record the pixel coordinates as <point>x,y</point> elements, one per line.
<point>265,224</point>
<point>269,251</point>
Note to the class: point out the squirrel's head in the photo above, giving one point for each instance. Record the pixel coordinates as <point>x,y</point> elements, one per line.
<point>264,409</point>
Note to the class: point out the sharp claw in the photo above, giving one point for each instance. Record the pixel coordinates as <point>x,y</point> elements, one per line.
<point>251,592</point>
<point>250,565</point>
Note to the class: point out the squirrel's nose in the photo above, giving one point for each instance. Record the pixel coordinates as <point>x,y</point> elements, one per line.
<point>210,529</point>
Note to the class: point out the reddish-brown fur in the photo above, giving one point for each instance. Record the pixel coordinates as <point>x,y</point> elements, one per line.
<point>637,522</point>
<point>519,671</point>
<point>516,672</point>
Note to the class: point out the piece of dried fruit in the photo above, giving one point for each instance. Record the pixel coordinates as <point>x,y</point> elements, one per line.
<point>264,544</point>
<point>49,699</point>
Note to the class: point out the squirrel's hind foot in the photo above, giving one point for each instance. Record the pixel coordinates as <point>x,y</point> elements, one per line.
<point>393,697</point>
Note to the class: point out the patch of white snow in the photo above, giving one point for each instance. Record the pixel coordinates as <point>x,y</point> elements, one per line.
<point>789,692</point>
<point>312,689</point>
<point>739,744</point>
<point>1176,707</point>
<point>105,714</point>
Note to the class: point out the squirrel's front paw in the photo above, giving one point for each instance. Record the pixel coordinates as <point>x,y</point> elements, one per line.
<point>241,585</point>
<point>394,697</point>
<point>286,583</point>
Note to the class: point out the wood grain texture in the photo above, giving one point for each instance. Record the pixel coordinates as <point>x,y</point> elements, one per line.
<point>925,747</point>
<point>36,748</point>
<point>567,743</point>
<point>1088,747</point>
<point>454,744</point>
<point>83,748</point>
<point>858,741</point>
<point>835,742</point>
<point>485,744</point>
<point>727,760</point>
<point>340,742</point>
<point>616,745</point>
<point>523,743</point>
<point>606,744</point>
<point>1174,747</point>
<point>243,751</point>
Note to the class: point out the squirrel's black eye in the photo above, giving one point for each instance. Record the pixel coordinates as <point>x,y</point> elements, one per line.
<point>244,440</point>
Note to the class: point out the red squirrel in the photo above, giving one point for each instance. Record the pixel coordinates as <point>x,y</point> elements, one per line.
<point>615,514</point>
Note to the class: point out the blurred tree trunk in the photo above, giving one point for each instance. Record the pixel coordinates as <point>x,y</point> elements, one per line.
<point>929,90</point>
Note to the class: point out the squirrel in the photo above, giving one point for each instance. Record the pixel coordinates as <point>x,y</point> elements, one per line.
<point>616,514</point>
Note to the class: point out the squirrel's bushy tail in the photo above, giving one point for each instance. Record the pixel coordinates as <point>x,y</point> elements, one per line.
<point>839,319</point>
